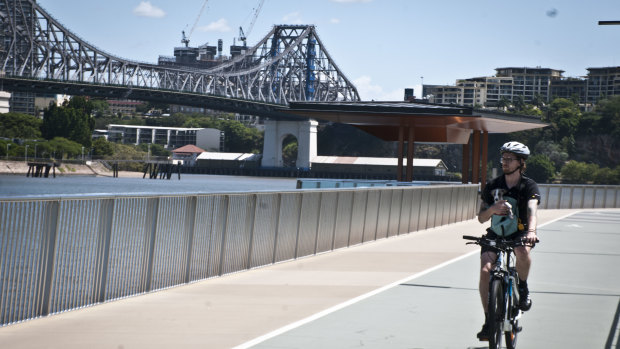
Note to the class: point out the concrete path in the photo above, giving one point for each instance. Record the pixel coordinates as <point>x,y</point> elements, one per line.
<point>259,306</point>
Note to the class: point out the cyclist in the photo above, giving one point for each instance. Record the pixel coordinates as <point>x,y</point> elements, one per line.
<point>510,201</point>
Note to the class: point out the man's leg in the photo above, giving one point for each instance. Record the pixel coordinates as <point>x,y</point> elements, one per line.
<point>486,264</point>
<point>524,261</point>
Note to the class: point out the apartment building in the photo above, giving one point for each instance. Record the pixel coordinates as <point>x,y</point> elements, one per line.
<point>602,83</point>
<point>529,84</point>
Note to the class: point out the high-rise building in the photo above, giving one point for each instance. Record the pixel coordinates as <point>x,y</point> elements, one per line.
<point>602,83</point>
<point>530,84</point>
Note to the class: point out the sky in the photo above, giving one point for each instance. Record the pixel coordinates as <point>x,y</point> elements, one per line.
<point>382,46</point>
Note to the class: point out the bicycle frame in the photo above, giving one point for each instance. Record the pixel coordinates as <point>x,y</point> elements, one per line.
<point>505,270</point>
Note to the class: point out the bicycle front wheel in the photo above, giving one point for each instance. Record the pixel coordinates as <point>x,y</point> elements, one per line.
<point>496,314</point>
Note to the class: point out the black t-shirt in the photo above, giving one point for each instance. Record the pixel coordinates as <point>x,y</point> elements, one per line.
<point>523,192</point>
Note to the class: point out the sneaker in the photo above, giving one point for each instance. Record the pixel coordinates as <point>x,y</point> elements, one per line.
<point>484,335</point>
<point>525,303</point>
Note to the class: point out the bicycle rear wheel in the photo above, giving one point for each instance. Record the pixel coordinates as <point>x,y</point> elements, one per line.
<point>496,314</point>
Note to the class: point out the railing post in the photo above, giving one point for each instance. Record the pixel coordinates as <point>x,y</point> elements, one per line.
<point>152,214</point>
<point>49,254</point>
<point>224,229</point>
<point>250,225</point>
<point>103,250</point>
<point>190,218</point>
<point>277,229</point>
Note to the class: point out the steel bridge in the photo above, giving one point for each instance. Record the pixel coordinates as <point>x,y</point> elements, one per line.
<point>38,54</point>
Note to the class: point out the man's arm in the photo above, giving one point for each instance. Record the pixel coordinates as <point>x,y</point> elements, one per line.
<point>532,208</point>
<point>486,212</point>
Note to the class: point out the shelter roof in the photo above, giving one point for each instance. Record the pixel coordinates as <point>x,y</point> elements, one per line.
<point>227,156</point>
<point>432,123</point>
<point>190,148</point>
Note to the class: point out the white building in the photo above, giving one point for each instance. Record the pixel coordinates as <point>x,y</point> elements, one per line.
<point>4,101</point>
<point>209,139</point>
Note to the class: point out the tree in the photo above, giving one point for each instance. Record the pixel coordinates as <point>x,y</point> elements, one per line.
<point>552,151</point>
<point>101,147</point>
<point>564,116</point>
<point>578,172</point>
<point>156,149</point>
<point>239,138</point>
<point>540,168</point>
<point>16,125</point>
<point>62,148</point>
<point>606,175</point>
<point>71,121</point>
<point>289,151</point>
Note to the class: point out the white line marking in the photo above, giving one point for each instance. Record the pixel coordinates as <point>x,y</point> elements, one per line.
<point>357,299</point>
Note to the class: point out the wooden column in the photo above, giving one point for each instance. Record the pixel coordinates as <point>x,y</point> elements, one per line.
<point>475,176</point>
<point>401,140</point>
<point>485,158</point>
<point>465,167</point>
<point>410,149</point>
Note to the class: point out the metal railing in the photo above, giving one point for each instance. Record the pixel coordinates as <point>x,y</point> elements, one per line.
<point>63,253</point>
<point>566,196</point>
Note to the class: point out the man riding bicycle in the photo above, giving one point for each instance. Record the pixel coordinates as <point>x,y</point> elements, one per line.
<point>510,201</point>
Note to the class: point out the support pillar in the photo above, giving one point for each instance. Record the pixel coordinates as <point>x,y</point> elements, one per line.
<point>476,158</point>
<point>465,166</point>
<point>485,158</point>
<point>399,168</point>
<point>410,150</point>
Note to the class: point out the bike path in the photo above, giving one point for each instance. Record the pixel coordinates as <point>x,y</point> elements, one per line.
<point>436,308</point>
<point>574,284</point>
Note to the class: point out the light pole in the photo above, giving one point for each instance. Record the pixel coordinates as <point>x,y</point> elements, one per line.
<point>26,153</point>
<point>7,151</point>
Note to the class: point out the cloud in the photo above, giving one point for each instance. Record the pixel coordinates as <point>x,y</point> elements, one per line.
<point>369,91</point>
<point>334,20</point>
<point>221,25</point>
<point>292,18</point>
<point>145,9</point>
<point>350,1</point>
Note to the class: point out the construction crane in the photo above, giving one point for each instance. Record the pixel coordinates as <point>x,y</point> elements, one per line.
<point>242,35</point>
<point>185,39</point>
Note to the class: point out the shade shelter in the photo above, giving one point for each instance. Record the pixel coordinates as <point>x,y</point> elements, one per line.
<point>411,122</point>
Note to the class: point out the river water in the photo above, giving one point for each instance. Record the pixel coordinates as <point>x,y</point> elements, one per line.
<point>12,186</point>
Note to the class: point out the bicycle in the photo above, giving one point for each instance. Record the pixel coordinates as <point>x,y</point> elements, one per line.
<point>504,312</point>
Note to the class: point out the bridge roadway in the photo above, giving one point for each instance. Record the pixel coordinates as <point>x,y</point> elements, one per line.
<point>412,291</point>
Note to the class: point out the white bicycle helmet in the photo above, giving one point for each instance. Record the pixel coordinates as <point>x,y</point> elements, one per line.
<point>517,148</point>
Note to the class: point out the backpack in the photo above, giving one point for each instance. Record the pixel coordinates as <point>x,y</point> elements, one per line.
<point>503,225</point>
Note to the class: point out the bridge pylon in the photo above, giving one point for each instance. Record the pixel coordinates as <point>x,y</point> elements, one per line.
<point>277,131</point>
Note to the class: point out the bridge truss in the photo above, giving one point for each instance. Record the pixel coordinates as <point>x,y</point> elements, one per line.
<point>289,64</point>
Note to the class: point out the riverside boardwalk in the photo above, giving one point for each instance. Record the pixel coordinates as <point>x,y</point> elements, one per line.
<point>412,291</point>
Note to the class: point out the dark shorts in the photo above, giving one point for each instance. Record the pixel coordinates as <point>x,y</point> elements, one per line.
<point>492,236</point>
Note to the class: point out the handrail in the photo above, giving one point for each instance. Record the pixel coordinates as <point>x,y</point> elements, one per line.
<point>61,253</point>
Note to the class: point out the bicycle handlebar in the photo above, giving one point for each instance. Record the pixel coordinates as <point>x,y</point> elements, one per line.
<point>499,243</point>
